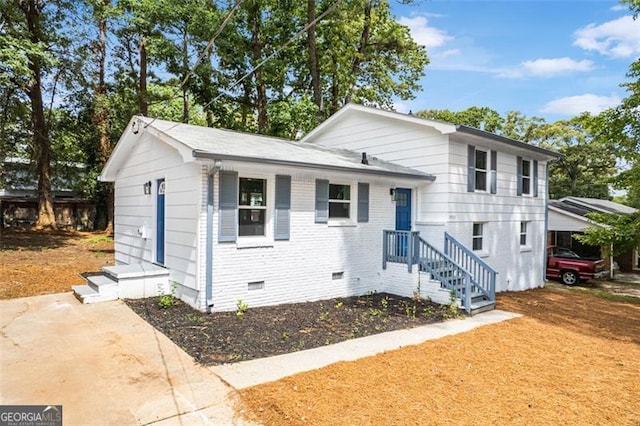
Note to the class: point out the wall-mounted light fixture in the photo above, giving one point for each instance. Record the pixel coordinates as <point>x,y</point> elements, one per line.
<point>147,188</point>
<point>392,192</point>
<point>135,127</point>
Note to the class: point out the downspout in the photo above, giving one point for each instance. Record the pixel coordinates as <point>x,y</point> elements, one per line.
<point>217,165</point>
<point>546,223</point>
<point>209,243</point>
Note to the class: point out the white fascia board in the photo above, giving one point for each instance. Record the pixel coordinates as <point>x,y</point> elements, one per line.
<point>586,220</point>
<point>441,126</point>
<point>135,130</point>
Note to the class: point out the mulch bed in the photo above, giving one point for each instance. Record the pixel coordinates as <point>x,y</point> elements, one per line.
<point>226,337</point>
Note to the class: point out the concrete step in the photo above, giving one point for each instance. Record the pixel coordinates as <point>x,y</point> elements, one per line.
<point>86,294</point>
<point>483,306</point>
<point>101,283</point>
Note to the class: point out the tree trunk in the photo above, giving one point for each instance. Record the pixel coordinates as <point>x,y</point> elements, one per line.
<point>101,117</point>
<point>143,104</point>
<point>314,70</point>
<point>41,143</point>
<point>261,90</point>
<point>185,67</point>
<point>357,59</point>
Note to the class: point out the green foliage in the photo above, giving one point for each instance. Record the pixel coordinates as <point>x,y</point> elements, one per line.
<point>166,301</point>
<point>621,230</point>
<point>241,308</point>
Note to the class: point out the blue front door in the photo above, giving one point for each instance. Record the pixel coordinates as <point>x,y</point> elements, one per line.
<point>403,219</point>
<point>403,209</point>
<point>160,222</point>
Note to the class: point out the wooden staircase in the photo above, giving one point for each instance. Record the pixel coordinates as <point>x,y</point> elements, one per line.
<point>457,268</point>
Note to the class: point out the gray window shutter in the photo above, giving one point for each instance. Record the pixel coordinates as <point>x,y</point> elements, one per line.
<point>471,168</point>
<point>494,172</point>
<point>322,201</point>
<point>228,212</point>
<point>282,220</point>
<point>535,178</point>
<point>363,202</point>
<point>519,175</point>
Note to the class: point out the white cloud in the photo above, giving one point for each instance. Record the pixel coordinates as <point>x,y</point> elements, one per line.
<point>423,34</point>
<point>619,38</point>
<point>449,52</point>
<point>575,105</point>
<point>546,68</point>
<point>549,67</point>
<point>401,107</point>
<point>619,7</point>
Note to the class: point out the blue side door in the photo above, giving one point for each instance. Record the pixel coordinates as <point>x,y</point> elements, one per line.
<point>403,218</point>
<point>160,222</point>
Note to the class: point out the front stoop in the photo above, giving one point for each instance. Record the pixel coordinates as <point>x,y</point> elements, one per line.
<point>134,281</point>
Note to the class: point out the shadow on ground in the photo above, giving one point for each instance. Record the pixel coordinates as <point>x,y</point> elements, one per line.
<point>28,239</point>
<point>582,313</point>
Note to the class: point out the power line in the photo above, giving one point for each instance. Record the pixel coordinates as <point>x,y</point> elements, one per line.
<point>204,51</point>
<point>277,51</point>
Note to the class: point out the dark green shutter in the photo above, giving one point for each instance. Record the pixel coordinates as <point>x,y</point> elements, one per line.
<point>519,175</point>
<point>282,221</point>
<point>493,185</point>
<point>322,201</point>
<point>228,211</point>
<point>363,202</point>
<point>471,168</point>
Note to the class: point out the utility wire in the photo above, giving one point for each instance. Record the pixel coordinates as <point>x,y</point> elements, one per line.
<point>204,52</point>
<point>277,51</point>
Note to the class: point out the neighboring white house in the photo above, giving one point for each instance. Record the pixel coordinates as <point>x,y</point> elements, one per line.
<point>568,216</point>
<point>361,204</point>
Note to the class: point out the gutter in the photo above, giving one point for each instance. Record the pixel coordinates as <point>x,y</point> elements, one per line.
<point>211,156</point>
<point>508,141</point>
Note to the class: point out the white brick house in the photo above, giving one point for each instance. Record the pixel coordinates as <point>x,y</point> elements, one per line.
<point>224,216</point>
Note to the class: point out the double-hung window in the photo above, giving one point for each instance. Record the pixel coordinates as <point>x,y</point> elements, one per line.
<point>523,234</point>
<point>252,207</point>
<point>339,201</point>
<point>527,177</point>
<point>477,236</point>
<point>481,170</point>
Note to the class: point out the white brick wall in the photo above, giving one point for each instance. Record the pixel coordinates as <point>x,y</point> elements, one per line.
<point>301,269</point>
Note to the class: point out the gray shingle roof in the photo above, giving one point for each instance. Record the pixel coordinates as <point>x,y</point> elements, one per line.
<point>212,143</point>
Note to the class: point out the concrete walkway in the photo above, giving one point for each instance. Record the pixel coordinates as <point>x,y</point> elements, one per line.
<point>104,365</point>
<point>250,373</point>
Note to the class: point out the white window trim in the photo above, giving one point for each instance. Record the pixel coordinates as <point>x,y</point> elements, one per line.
<point>527,232</point>
<point>529,192</point>
<point>486,170</point>
<point>483,252</point>
<point>248,241</point>
<point>353,201</point>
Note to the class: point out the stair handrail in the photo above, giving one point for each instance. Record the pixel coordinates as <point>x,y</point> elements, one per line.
<point>428,255</point>
<point>483,275</point>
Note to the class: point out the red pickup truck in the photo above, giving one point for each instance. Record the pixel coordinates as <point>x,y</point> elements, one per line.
<point>570,268</point>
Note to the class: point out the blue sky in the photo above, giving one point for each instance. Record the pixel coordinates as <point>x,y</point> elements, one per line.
<point>550,59</point>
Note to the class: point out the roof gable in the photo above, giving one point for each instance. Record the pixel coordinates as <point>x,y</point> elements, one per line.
<point>461,133</point>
